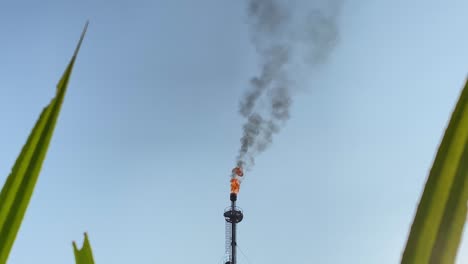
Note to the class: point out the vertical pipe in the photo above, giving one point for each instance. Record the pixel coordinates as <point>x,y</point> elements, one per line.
<point>234,242</point>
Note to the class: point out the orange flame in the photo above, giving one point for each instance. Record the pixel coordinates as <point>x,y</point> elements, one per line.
<point>235,186</point>
<point>236,178</point>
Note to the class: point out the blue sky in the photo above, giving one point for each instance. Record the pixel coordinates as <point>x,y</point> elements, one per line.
<point>149,131</point>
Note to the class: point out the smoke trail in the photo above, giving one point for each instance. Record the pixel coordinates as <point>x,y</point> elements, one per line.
<point>283,36</point>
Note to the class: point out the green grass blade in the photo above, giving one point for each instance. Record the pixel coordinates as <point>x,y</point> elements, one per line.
<point>441,214</point>
<point>85,254</point>
<point>19,186</point>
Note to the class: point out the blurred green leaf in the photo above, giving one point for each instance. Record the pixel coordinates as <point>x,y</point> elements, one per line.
<point>438,225</point>
<point>19,186</point>
<point>85,254</point>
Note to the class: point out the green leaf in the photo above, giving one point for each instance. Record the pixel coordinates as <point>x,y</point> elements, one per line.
<point>19,186</point>
<point>85,254</point>
<point>438,225</point>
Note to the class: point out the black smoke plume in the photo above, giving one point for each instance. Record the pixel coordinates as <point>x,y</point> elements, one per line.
<point>284,34</point>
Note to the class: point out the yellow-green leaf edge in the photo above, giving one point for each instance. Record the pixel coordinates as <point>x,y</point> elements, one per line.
<point>438,225</point>
<point>85,254</point>
<point>19,186</point>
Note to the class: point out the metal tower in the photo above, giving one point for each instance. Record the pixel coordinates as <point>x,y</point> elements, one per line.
<point>233,215</point>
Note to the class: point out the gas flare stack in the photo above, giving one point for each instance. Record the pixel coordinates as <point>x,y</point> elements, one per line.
<point>233,215</point>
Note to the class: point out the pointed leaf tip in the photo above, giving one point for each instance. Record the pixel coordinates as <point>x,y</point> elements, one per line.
<point>19,185</point>
<point>85,254</point>
<point>81,38</point>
